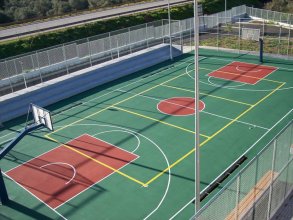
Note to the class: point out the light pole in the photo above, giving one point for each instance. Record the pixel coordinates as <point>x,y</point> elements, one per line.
<point>169,18</point>
<point>196,86</point>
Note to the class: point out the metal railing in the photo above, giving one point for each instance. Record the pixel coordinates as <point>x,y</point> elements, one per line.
<point>270,15</point>
<point>36,67</point>
<point>276,162</point>
<point>221,30</point>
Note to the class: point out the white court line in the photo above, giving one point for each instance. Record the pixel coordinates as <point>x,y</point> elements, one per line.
<point>201,111</point>
<point>111,92</point>
<point>105,177</point>
<point>242,154</point>
<point>72,167</point>
<point>162,152</point>
<point>111,144</point>
<point>160,100</point>
<point>281,68</point>
<point>230,119</point>
<point>8,140</point>
<point>60,145</point>
<point>122,131</point>
<point>245,71</point>
<point>35,197</point>
<point>176,104</point>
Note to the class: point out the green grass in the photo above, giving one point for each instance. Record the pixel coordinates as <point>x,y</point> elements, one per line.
<point>272,46</point>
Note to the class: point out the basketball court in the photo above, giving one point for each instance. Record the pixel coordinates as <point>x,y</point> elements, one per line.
<point>125,150</point>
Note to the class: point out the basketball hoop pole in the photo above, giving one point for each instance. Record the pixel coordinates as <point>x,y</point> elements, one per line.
<point>196,86</point>
<point>6,149</point>
<point>3,192</point>
<point>260,50</point>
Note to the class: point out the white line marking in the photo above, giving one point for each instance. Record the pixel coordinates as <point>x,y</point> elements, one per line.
<point>60,145</point>
<point>181,209</point>
<point>157,99</point>
<point>111,144</point>
<point>176,104</point>
<point>174,66</point>
<point>230,119</point>
<point>36,197</point>
<point>93,184</point>
<point>165,157</point>
<point>56,163</point>
<point>245,71</point>
<point>242,154</point>
<point>110,131</point>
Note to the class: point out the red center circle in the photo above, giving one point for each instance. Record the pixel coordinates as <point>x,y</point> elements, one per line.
<point>179,106</point>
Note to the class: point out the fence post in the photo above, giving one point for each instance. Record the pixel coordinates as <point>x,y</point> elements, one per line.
<point>38,63</point>
<point>279,44</point>
<point>118,52</point>
<point>289,35</point>
<point>239,36</point>
<point>9,76</point>
<point>263,29</point>
<point>110,45</point>
<point>288,163</point>
<point>147,34</point>
<point>21,63</point>
<point>48,57</point>
<point>90,56</point>
<point>237,196</point>
<point>129,40</point>
<point>272,178</point>
<point>181,41</point>
<point>218,27</point>
<point>65,59</point>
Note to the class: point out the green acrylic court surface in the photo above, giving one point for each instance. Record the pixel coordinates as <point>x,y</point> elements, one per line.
<point>125,150</point>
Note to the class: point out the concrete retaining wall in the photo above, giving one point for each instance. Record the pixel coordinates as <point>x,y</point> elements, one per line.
<point>16,104</point>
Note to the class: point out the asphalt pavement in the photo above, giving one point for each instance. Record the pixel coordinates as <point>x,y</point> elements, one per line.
<point>57,23</point>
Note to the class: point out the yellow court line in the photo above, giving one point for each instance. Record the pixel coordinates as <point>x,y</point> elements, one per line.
<point>169,167</point>
<point>236,74</point>
<point>214,96</point>
<point>243,113</point>
<point>215,134</point>
<point>99,162</point>
<point>157,120</point>
<point>117,103</point>
<point>230,100</point>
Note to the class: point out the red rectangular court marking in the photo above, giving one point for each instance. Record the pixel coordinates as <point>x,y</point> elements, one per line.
<point>60,174</point>
<point>243,72</point>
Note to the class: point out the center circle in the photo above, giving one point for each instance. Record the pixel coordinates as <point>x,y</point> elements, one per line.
<point>179,106</point>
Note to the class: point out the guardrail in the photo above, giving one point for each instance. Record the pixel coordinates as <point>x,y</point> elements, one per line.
<point>259,189</point>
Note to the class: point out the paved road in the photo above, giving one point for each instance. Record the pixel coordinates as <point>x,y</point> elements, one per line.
<point>36,27</point>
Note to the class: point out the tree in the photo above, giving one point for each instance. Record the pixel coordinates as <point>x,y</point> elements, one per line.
<point>79,4</point>
<point>59,7</point>
<point>4,18</point>
<point>280,5</point>
<point>42,7</point>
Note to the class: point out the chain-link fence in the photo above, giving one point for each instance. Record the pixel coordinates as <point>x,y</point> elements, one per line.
<point>228,33</point>
<point>223,30</point>
<point>30,69</point>
<point>268,15</point>
<point>258,190</point>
